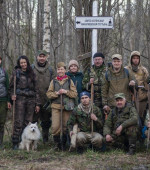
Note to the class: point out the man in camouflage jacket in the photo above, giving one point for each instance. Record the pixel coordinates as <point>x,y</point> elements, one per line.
<point>83,116</point>
<point>121,124</point>
<point>95,75</point>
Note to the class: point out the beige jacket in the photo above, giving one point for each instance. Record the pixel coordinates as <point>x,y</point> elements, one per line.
<point>51,94</point>
<point>141,76</point>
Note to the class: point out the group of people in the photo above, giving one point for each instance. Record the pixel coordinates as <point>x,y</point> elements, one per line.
<point>107,105</point>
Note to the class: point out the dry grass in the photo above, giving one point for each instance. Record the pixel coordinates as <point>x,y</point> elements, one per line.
<point>45,158</point>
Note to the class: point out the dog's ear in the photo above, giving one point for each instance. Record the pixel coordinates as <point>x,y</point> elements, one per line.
<point>29,123</point>
<point>35,123</point>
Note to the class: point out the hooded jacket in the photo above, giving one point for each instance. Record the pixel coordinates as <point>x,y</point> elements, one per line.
<point>141,74</point>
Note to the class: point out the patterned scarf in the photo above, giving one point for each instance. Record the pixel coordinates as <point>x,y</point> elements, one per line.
<point>86,109</point>
<point>61,78</point>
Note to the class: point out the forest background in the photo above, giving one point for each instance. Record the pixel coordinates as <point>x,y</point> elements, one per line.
<point>27,26</point>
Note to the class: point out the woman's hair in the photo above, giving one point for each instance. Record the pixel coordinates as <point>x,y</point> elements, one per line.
<point>29,69</point>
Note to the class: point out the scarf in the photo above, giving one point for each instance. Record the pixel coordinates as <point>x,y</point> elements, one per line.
<point>86,109</point>
<point>61,78</point>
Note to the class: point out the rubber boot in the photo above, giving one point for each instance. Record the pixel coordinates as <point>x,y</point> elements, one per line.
<point>1,140</point>
<point>132,147</point>
<point>45,135</point>
<point>15,142</point>
<point>58,142</point>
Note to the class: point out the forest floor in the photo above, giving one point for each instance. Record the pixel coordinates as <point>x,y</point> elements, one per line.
<point>46,158</point>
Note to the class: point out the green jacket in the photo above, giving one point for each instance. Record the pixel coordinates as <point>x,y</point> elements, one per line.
<point>84,120</point>
<point>126,117</point>
<point>115,83</point>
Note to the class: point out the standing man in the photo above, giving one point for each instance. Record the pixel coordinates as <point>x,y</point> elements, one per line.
<point>4,100</point>
<point>44,74</point>
<point>141,75</point>
<point>116,80</point>
<point>121,125</point>
<point>94,76</point>
<point>83,116</point>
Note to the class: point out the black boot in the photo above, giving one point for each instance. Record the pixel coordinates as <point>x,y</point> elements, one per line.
<point>57,142</point>
<point>132,147</point>
<point>45,135</point>
<point>1,139</point>
<point>15,146</point>
<point>15,141</point>
<point>80,150</point>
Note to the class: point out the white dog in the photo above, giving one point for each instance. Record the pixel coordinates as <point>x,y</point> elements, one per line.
<point>30,137</point>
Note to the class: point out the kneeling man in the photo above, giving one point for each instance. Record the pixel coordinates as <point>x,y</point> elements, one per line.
<point>88,118</point>
<point>121,124</point>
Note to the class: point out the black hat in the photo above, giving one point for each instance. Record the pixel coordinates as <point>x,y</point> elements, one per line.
<point>98,55</point>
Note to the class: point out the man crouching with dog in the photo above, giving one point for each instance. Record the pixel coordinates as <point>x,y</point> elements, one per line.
<point>88,118</point>
<point>121,125</point>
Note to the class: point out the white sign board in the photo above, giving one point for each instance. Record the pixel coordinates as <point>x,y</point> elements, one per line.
<point>94,22</point>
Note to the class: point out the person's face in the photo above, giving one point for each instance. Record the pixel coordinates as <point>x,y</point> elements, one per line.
<point>73,68</point>
<point>23,64</point>
<point>120,103</point>
<point>116,63</point>
<point>61,71</point>
<point>98,61</point>
<point>85,100</point>
<point>41,58</point>
<point>135,60</point>
<point>0,60</point>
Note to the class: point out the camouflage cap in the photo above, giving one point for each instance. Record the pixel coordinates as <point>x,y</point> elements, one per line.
<point>119,95</point>
<point>41,52</point>
<point>118,56</point>
<point>137,53</point>
<point>61,64</point>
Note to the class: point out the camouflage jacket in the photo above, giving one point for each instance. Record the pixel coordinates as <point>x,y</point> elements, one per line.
<point>25,85</point>
<point>96,73</point>
<point>84,120</point>
<point>126,117</point>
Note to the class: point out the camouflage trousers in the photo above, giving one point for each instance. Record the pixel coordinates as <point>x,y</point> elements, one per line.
<point>128,136</point>
<point>24,110</point>
<point>56,122</point>
<point>44,116</point>
<point>87,138</point>
<point>3,115</point>
<point>98,100</point>
<point>142,108</point>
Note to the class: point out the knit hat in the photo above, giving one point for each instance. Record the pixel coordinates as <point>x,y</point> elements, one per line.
<point>85,93</point>
<point>98,55</point>
<point>118,56</point>
<point>41,52</point>
<point>61,64</point>
<point>71,62</point>
<point>119,95</point>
